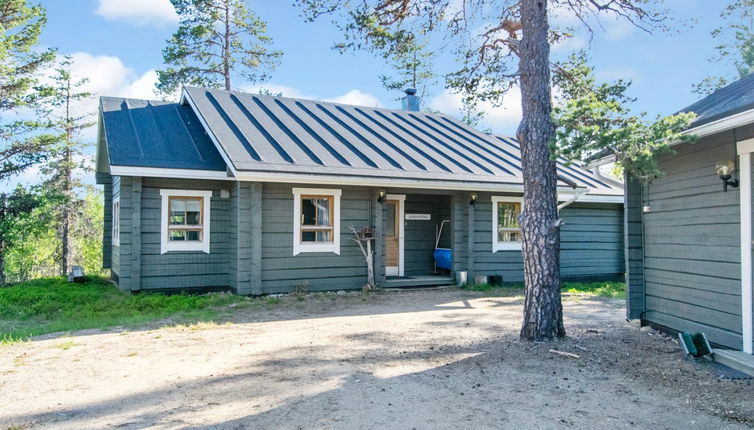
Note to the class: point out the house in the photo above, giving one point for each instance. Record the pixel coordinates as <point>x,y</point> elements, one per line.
<point>257,194</point>
<point>688,232</point>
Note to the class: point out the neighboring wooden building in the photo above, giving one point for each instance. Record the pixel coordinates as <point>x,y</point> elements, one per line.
<point>684,234</point>
<point>257,193</point>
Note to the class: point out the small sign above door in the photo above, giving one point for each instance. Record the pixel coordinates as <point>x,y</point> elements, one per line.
<point>418,217</point>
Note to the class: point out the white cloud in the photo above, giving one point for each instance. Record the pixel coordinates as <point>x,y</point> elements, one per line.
<point>141,12</point>
<point>499,119</point>
<point>356,97</point>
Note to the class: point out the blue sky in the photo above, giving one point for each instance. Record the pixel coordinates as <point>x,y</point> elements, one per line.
<point>117,44</point>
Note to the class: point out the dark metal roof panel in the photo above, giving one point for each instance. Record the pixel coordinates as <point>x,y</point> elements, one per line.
<point>729,100</point>
<point>142,133</point>
<point>261,133</point>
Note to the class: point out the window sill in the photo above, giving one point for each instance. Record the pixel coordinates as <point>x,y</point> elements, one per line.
<point>506,246</point>
<point>182,247</point>
<point>317,248</point>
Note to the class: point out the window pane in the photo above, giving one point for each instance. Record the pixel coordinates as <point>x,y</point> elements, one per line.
<point>193,235</point>
<point>315,211</point>
<point>315,236</point>
<point>324,236</point>
<point>509,236</point>
<point>185,235</point>
<point>193,218</point>
<point>177,212</point>
<point>389,219</point>
<point>507,222</point>
<point>507,214</point>
<point>192,205</point>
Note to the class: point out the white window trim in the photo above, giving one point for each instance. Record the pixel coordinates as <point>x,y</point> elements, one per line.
<point>503,246</point>
<point>168,246</point>
<point>299,247</point>
<point>116,222</point>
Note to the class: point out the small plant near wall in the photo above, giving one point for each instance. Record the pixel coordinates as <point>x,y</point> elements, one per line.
<point>364,238</point>
<point>301,289</point>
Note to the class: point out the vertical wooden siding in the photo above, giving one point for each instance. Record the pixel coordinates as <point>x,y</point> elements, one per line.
<point>691,243</point>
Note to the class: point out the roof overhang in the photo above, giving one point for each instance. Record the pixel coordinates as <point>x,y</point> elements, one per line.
<point>739,119</point>
<point>564,193</point>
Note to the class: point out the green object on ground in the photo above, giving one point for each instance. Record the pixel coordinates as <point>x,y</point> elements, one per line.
<point>701,344</point>
<point>688,340</point>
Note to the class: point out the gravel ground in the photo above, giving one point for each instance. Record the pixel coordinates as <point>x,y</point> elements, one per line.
<point>431,359</point>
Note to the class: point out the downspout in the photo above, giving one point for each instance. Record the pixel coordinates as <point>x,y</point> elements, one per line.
<point>579,192</point>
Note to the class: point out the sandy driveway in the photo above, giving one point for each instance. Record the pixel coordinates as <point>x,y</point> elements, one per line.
<point>444,359</point>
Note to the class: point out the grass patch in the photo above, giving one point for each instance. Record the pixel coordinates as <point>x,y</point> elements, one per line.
<point>53,305</point>
<point>615,290</point>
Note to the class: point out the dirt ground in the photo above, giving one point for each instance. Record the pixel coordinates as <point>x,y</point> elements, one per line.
<point>433,359</point>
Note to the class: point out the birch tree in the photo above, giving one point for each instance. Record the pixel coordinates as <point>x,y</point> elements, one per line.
<point>217,41</point>
<point>499,44</point>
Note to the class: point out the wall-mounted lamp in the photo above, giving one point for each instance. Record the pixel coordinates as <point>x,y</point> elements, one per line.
<point>725,169</point>
<point>474,196</point>
<point>381,196</point>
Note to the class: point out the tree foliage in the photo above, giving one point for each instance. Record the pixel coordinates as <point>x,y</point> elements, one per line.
<point>594,117</point>
<point>216,42</point>
<point>60,104</point>
<point>20,62</point>
<point>736,45</point>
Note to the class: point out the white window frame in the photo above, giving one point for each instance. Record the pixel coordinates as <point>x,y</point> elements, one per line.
<point>165,244</point>
<point>497,245</point>
<point>116,221</point>
<point>298,246</point>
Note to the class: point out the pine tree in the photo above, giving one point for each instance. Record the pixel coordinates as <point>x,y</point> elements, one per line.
<point>512,47</point>
<point>60,104</point>
<point>736,46</point>
<point>216,42</point>
<point>21,23</point>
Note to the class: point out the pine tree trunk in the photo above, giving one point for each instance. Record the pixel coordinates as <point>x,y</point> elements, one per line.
<point>226,47</point>
<point>543,310</point>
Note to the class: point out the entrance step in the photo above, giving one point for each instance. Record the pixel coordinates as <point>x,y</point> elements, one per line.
<point>738,360</point>
<point>417,281</point>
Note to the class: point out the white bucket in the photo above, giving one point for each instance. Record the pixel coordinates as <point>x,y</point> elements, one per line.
<point>462,278</point>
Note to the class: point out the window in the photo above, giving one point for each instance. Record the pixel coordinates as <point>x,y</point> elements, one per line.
<point>506,232</point>
<point>185,220</point>
<point>316,220</point>
<point>116,221</point>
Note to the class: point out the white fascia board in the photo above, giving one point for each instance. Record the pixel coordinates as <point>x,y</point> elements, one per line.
<point>156,172</point>
<point>186,99</point>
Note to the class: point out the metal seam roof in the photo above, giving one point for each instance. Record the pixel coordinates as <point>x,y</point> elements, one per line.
<point>266,134</point>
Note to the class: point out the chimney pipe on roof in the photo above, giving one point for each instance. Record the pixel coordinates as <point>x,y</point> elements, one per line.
<point>411,101</point>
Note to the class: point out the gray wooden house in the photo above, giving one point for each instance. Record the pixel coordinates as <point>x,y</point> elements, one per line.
<point>689,233</point>
<point>257,194</point>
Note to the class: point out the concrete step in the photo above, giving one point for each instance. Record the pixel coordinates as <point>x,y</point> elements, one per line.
<point>738,360</point>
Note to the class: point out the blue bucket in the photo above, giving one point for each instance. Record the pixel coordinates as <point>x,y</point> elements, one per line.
<point>443,258</point>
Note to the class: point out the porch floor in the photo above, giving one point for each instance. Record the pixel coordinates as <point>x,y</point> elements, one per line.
<point>738,360</point>
<point>418,281</point>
